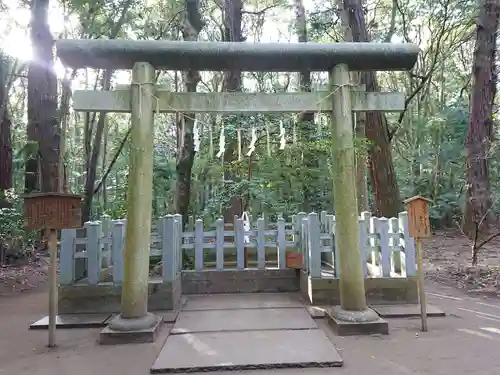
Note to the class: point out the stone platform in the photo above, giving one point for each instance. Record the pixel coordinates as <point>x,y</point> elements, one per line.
<point>242,332</point>
<point>243,320</point>
<point>405,311</point>
<point>74,321</point>
<point>217,351</point>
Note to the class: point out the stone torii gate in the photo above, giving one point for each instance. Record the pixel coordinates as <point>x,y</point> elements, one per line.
<point>143,98</point>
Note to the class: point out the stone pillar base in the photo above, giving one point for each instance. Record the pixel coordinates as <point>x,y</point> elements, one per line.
<point>131,331</point>
<point>350,323</point>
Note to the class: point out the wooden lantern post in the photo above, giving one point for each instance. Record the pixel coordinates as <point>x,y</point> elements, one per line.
<point>419,227</point>
<point>52,211</point>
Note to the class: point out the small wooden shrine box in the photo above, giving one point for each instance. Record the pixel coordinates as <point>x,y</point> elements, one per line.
<point>418,217</point>
<point>52,211</point>
<point>294,259</point>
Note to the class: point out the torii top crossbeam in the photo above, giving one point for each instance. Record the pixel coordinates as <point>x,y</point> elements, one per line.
<point>216,56</point>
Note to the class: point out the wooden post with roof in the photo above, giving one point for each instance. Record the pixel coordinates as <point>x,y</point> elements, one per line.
<point>419,227</point>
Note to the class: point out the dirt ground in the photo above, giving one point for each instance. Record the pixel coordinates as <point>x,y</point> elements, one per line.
<point>447,260</point>
<point>21,279</point>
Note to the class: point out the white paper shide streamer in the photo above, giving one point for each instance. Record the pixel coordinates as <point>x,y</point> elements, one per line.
<point>253,140</point>
<point>222,143</point>
<point>246,226</point>
<point>196,136</point>
<point>282,136</point>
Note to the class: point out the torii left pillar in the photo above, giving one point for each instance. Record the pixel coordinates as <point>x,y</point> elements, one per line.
<point>353,317</point>
<point>135,323</point>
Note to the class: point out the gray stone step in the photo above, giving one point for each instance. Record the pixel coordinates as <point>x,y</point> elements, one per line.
<point>243,320</point>
<point>248,350</point>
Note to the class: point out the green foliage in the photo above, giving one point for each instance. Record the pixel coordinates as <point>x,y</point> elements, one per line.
<point>434,165</point>
<point>15,241</point>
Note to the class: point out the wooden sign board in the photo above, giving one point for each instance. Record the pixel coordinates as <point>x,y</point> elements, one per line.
<point>418,217</point>
<point>52,211</point>
<point>294,259</point>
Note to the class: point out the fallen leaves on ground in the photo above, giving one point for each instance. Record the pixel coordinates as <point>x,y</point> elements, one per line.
<point>448,261</point>
<point>23,278</point>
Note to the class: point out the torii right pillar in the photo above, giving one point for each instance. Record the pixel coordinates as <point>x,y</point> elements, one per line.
<point>353,317</point>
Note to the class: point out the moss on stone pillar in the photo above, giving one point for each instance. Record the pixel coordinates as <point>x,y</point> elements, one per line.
<point>351,281</point>
<point>139,196</point>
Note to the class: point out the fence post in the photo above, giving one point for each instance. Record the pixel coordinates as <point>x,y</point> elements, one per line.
<point>385,251</point>
<point>394,244</point>
<point>199,260</point>
<point>190,224</point>
<point>219,244</point>
<point>106,245</point>
<point>374,251</point>
<point>298,231</point>
<point>179,241</point>
<point>326,228</point>
<point>239,242</point>
<point>261,243</point>
<point>330,221</point>
<point>368,251</point>
<point>281,242</point>
<point>331,231</point>
<point>409,245</point>
<point>363,242</point>
<point>304,242</point>
<point>67,257</point>
<point>322,219</point>
<point>314,245</point>
<point>94,232</point>
<point>117,242</point>
<point>168,245</point>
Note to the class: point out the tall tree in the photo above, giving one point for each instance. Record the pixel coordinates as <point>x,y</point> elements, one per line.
<point>306,119</point>
<point>42,166</point>
<point>232,13</point>
<point>480,127</point>
<point>192,24</point>
<point>382,172</point>
<point>5,131</point>
<point>359,120</point>
<point>93,145</point>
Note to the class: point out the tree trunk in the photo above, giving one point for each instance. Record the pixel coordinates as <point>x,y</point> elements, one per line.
<point>306,119</point>
<point>480,126</point>
<point>5,133</point>
<point>93,161</point>
<point>382,173</point>
<point>232,82</point>
<point>42,168</point>
<point>93,147</point>
<point>359,120</point>
<point>104,152</point>
<point>191,27</point>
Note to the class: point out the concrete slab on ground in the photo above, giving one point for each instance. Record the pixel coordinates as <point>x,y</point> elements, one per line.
<point>405,311</point>
<point>216,351</point>
<point>74,321</point>
<point>242,301</point>
<point>242,320</point>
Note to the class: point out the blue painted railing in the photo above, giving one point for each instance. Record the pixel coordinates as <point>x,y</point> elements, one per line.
<point>387,248</point>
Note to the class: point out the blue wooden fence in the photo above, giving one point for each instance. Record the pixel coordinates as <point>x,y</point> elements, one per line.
<point>387,248</point>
